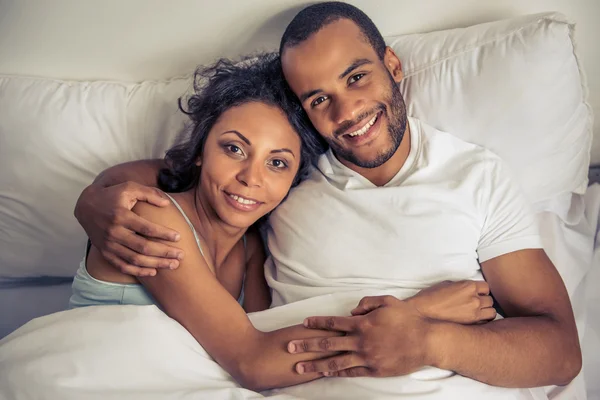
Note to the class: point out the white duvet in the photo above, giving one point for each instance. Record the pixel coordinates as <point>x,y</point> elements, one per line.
<point>132,352</point>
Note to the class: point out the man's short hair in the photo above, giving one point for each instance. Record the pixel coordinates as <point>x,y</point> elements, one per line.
<point>311,19</point>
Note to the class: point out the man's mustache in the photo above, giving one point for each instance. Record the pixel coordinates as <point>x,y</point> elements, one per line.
<point>346,125</point>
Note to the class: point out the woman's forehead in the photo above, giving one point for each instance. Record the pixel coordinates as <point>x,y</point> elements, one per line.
<point>262,124</point>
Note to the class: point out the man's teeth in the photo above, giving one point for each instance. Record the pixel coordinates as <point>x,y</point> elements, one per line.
<point>241,200</point>
<point>365,128</point>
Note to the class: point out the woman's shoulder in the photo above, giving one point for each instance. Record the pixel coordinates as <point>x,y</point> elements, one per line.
<point>169,216</point>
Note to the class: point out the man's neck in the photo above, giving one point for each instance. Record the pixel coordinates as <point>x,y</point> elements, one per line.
<point>381,175</point>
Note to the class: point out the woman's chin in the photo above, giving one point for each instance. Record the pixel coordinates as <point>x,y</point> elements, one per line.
<point>239,220</point>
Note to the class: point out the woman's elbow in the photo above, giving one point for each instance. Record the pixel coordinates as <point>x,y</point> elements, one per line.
<point>570,367</point>
<point>248,376</point>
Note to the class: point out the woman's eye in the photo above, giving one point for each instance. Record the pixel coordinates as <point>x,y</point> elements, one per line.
<point>355,78</point>
<point>234,149</point>
<point>318,101</point>
<point>279,164</point>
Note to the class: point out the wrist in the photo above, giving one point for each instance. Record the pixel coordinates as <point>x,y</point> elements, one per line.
<point>415,301</point>
<point>419,303</point>
<point>435,344</point>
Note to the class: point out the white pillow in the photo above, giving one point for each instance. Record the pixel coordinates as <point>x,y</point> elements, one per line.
<point>512,86</point>
<point>55,137</point>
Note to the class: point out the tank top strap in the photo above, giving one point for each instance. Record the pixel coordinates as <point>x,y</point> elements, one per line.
<point>176,204</point>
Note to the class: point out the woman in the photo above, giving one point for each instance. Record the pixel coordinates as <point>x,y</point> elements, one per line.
<point>249,144</point>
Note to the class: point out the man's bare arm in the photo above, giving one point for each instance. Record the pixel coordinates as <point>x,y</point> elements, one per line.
<point>536,345</point>
<point>144,172</point>
<point>104,211</point>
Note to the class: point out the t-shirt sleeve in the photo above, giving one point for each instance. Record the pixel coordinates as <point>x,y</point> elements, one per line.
<point>509,224</point>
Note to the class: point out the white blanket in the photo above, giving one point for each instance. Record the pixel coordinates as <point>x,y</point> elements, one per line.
<point>130,352</point>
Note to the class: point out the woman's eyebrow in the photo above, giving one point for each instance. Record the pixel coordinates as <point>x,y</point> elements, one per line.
<point>244,138</point>
<point>284,150</point>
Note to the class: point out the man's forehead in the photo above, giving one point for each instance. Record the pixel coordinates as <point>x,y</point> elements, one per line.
<point>332,49</point>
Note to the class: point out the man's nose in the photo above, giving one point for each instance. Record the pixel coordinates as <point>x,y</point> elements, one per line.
<point>346,110</point>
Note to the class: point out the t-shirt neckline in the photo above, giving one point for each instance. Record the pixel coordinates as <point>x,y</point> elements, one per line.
<point>350,179</point>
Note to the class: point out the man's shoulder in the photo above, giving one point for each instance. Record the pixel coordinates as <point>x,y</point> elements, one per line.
<point>448,152</point>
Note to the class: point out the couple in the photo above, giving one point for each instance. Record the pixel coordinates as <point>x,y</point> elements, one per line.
<point>391,203</point>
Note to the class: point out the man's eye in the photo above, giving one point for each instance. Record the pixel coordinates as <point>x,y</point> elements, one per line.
<point>318,101</point>
<point>355,78</point>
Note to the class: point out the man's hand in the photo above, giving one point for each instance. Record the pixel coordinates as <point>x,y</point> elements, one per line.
<point>462,302</point>
<point>390,340</point>
<point>120,234</point>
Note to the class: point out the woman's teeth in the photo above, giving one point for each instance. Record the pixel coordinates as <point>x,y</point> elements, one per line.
<point>365,128</point>
<point>242,200</point>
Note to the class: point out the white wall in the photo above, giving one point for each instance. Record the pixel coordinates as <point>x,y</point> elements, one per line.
<point>133,40</point>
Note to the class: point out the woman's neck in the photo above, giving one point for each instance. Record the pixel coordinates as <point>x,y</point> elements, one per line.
<point>219,237</point>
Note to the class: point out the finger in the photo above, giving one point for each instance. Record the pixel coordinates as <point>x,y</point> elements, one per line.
<point>144,246</point>
<point>321,344</point>
<point>143,227</point>
<point>368,304</point>
<point>330,364</point>
<point>150,195</point>
<point>140,260</point>
<point>482,287</point>
<point>350,373</point>
<point>488,314</point>
<point>486,301</point>
<point>128,269</point>
<point>341,324</point>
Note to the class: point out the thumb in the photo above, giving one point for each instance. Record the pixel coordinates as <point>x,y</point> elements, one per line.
<point>368,304</point>
<point>150,195</point>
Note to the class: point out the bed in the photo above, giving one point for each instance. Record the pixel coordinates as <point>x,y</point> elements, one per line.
<point>83,126</point>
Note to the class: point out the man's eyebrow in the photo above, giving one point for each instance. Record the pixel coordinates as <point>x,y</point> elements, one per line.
<point>244,138</point>
<point>307,95</point>
<point>284,150</point>
<point>357,63</point>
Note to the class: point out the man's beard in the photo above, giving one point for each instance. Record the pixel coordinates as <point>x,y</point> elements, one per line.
<point>397,120</point>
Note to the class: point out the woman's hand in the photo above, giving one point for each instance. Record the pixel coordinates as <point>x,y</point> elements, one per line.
<point>463,302</point>
<point>120,234</point>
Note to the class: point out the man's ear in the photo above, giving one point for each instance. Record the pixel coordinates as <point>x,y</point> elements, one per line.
<point>393,64</point>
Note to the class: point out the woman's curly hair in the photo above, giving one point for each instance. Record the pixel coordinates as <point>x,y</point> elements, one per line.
<point>224,85</point>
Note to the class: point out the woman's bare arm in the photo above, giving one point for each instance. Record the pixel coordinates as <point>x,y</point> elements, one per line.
<point>193,296</point>
<point>104,211</point>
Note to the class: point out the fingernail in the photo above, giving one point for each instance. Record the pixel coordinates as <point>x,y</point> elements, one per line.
<point>176,237</point>
<point>153,273</point>
<point>173,265</point>
<point>327,373</point>
<point>180,256</point>
<point>291,347</point>
<point>305,323</point>
<point>300,368</point>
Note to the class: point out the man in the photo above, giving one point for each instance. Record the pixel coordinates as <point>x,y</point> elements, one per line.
<point>393,203</point>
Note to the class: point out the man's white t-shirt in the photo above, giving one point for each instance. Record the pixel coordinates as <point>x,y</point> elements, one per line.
<point>452,206</point>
